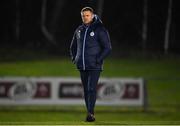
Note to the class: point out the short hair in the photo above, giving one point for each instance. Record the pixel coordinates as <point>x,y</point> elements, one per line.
<point>87,9</point>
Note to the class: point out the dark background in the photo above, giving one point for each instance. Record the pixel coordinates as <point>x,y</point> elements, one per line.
<point>123,19</point>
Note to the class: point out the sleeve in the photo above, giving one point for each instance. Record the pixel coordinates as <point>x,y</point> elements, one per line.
<point>73,47</point>
<point>105,43</point>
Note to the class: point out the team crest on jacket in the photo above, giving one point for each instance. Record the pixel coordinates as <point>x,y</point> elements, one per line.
<point>78,34</point>
<point>92,33</point>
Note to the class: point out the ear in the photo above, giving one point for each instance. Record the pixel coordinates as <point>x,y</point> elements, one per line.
<point>92,16</point>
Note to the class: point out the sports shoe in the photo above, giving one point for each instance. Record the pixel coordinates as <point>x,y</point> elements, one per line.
<point>90,117</point>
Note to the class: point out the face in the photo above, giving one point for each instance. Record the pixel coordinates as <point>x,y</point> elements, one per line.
<point>87,17</point>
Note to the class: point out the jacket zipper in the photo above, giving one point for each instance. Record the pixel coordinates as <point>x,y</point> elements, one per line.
<point>84,43</point>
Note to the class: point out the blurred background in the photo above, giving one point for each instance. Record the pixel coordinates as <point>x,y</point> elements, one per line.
<point>136,27</point>
<point>35,39</point>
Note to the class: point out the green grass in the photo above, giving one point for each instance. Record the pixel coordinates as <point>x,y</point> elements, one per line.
<point>105,115</point>
<point>76,115</point>
<point>163,82</point>
<point>164,68</point>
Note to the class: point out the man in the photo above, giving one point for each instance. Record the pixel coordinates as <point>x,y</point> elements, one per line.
<point>89,47</point>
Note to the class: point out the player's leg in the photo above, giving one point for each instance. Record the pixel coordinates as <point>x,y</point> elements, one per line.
<point>84,79</point>
<point>92,84</point>
<point>91,93</point>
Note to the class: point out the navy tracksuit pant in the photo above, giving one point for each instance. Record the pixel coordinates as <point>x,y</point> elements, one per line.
<point>89,80</point>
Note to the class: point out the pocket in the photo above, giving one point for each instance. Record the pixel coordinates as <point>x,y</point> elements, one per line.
<point>91,60</point>
<point>97,62</point>
<point>77,60</point>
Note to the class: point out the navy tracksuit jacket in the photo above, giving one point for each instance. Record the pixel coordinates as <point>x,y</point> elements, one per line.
<point>89,47</point>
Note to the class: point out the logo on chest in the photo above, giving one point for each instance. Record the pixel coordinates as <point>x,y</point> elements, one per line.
<point>78,34</point>
<point>92,34</point>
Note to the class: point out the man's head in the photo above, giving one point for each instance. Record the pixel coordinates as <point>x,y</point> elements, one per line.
<point>87,14</point>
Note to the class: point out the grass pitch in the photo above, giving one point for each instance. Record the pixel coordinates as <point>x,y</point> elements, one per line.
<point>163,83</point>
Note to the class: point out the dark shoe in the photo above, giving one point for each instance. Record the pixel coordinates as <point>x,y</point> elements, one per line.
<point>90,118</point>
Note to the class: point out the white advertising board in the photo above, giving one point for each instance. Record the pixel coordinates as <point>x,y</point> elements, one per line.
<point>69,91</point>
